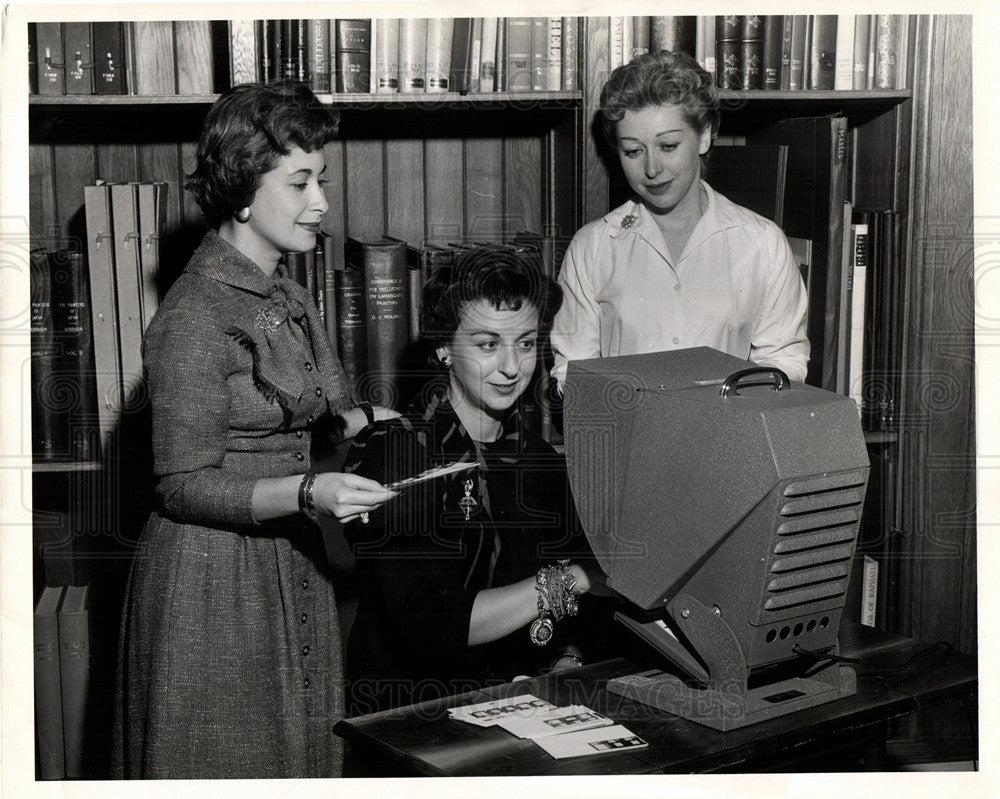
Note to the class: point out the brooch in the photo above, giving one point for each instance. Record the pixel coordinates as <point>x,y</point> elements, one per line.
<point>467,503</point>
<point>270,318</point>
<point>628,221</point>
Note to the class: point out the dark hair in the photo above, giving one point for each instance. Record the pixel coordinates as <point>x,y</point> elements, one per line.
<point>505,278</point>
<point>658,79</point>
<point>245,132</point>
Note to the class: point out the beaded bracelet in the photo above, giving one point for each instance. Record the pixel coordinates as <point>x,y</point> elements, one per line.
<point>556,599</point>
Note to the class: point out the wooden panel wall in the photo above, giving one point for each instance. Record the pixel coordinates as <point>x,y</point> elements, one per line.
<point>936,595</point>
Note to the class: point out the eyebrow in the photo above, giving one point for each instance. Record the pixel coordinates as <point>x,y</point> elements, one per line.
<point>485,332</point>
<point>661,133</point>
<point>306,171</point>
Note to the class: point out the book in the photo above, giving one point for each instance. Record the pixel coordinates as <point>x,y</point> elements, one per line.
<point>295,263</point>
<point>109,58</point>
<point>464,59</point>
<point>887,51</point>
<point>76,400</point>
<point>540,53</point>
<point>74,671</point>
<point>815,191</point>
<point>244,64</point>
<point>48,686</point>
<point>349,284</point>
<point>843,73</point>
<point>616,49</point>
<point>318,60</point>
<point>752,52</point>
<point>352,48</point>
<point>488,55</point>
<point>752,175</point>
<point>412,55</point>
<point>553,81</point>
<point>152,49</point>
<point>151,203</point>
<point>51,68</point>
<point>386,77</point>
<point>103,305</point>
<point>798,53</point>
<point>862,51</point>
<point>672,33</point>
<point>627,29</point>
<point>856,312</point>
<point>787,23</point>
<point>705,53</point>
<point>844,317</point>
<point>48,439</point>
<point>822,52</point>
<point>32,59</point>
<point>383,263</point>
<point>728,52</point>
<point>518,54</point>
<point>475,53</point>
<point>193,55</point>
<point>78,57</point>
<point>570,54</point>
<point>500,67</point>
<point>773,40</point>
<point>640,37</point>
<point>437,69</point>
<point>869,590</point>
<point>128,285</point>
<point>802,252</point>
<point>286,44</point>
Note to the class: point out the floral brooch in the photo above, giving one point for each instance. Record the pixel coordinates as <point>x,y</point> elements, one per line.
<point>628,221</point>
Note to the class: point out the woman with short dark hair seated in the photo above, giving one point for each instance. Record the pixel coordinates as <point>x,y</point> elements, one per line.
<point>473,577</point>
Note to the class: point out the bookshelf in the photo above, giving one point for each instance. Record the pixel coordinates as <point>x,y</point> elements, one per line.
<point>445,167</point>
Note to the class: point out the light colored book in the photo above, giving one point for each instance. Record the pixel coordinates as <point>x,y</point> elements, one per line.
<point>843,73</point>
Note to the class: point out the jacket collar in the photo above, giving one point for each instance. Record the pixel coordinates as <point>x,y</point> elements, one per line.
<point>219,260</point>
<point>633,218</point>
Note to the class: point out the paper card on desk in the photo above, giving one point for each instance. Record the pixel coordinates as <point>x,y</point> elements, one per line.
<point>597,741</point>
<point>487,714</point>
<point>431,474</point>
<point>555,722</point>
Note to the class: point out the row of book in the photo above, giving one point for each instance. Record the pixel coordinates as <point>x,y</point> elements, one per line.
<point>61,628</point>
<point>774,52</point>
<point>794,172</point>
<point>202,57</point>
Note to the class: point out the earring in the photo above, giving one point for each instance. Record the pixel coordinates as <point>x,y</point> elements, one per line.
<point>446,361</point>
<point>243,215</point>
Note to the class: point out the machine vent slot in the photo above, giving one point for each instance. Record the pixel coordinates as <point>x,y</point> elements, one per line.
<point>819,538</point>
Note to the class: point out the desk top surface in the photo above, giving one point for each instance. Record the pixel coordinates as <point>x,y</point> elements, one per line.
<point>422,740</point>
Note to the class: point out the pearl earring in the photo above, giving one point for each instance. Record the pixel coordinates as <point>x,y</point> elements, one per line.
<point>243,215</point>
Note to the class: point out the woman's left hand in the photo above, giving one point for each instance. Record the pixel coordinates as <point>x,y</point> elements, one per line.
<point>567,662</point>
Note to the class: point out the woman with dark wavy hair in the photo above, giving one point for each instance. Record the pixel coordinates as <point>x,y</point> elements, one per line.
<point>678,265</point>
<point>230,660</point>
<point>465,579</point>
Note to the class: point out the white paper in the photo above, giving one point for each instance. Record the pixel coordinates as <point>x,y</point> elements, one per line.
<point>598,741</point>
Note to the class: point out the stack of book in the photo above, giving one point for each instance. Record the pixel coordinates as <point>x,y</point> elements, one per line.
<point>62,677</point>
<point>772,52</point>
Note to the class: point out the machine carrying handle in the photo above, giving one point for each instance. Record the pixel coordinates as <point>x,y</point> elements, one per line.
<point>778,381</point>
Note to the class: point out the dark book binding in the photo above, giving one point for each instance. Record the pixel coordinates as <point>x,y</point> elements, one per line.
<point>78,57</point>
<point>47,431</point>
<point>352,46</point>
<point>51,69</point>
<point>676,33</point>
<point>752,52</point>
<point>773,40</point>
<point>751,175</point>
<point>461,79</point>
<point>74,668</point>
<point>48,686</point>
<point>823,52</point>
<point>109,58</point>
<point>351,337</point>
<point>32,59</point>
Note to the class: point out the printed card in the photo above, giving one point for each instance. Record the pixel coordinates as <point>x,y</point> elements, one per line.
<point>599,741</point>
<point>555,722</point>
<point>431,474</point>
<point>487,714</point>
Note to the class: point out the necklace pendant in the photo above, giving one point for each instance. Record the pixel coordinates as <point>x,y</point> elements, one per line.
<point>467,503</point>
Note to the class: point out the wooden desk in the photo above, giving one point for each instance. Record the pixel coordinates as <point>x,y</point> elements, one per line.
<point>421,740</point>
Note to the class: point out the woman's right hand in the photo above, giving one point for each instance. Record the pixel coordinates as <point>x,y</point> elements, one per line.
<point>346,496</point>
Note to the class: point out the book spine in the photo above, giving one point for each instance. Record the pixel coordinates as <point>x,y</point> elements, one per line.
<point>705,32</point>
<point>265,49</point>
<point>518,55</point>
<point>539,53</point>
<point>500,67</point>
<point>74,669</point>
<point>862,49</point>
<point>476,54</point>
<point>152,209</point>
<point>32,58</point>
<point>78,57</point>
<point>153,49</point>
<point>728,35</point>
<point>414,298</point>
<point>460,56</point>
<point>352,44</point>
<point>193,42</point>
<point>844,311</point>
<point>317,36</point>
<point>835,244</point>
<point>488,55</point>
<point>288,50</point>
<point>128,285</point>
<point>823,52</point>
<point>74,365</point>
<point>412,55</point>
<point>48,434</point>
<point>843,77</point>
<point>51,69</point>
<point>616,45</point>
<point>295,263</point>
<point>673,33</point>
<point>48,686</point>
<point>752,52</point>
<point>351,337</point>
<point>773,30</point>
<point>796,68</point>
<point>109,58</point>
<point>627,30</point>
<point>553,74</point>
<point>103,303</point>
<point>387,56</point>
<point>437,70</point>
<point>326,262</point>
<point>386,279</point>
<point>887,51</point>
<point>787,21</point>
<point>869,591</point>
<point>571,54</point>
<point>316,267</point>
<point>859,270</point>
<point>244,65</point>
<point>640,37</point>
<point>302,71</point>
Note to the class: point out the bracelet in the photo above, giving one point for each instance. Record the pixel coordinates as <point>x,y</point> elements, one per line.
<point>366,409</point>
<point>307,503</point>
<point>542,628</point>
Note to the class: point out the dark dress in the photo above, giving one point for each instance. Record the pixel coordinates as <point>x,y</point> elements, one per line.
<point>230,661</point>
<point>420,563</point>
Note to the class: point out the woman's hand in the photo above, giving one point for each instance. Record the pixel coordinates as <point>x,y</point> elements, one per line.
<point>347,496</point>
<point>355,420</point>
<point>587,578</point>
